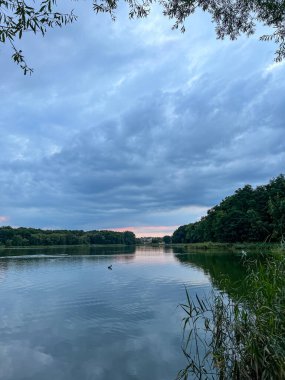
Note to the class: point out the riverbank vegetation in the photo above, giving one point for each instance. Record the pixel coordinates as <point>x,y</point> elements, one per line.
<point>249,215</point>
<point>238,248</point>
<point>241,337</point>
<point>22,237</point>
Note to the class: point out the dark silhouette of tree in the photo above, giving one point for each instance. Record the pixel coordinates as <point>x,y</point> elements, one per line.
<point>249,215</point>
<point>21,236</point>
<point>231,17</point>
<point>167,239</point>
<point>18,17</point>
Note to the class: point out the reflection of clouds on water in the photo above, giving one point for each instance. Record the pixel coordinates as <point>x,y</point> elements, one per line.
<point>70,318</point>
<point>146,352</point>
<point>19,360</point>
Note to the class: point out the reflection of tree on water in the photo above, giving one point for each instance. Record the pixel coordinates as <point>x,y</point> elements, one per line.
<point>239,333</point>
<point>3,268</point>
<point>22,258</point>
<point>23,262</point>
<point>68,250</point>
<point>226,270</point>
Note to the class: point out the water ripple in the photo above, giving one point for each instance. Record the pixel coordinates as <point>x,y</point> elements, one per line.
<point>73,317</point>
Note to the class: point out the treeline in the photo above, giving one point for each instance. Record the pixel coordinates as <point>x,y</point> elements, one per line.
<point>154,240</point>
<point>249,215</point>
<point>21,237</point>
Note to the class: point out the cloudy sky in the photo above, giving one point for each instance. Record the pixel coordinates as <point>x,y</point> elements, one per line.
<point>131,125</point>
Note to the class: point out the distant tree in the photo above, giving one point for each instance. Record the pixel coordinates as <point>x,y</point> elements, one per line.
<point>179,235</point>
<point>30,236</point>
<point>231,17</point>
<point>249,215</point>
<point>129,238</point>
<point>167,239</point>
<point>156,240</point>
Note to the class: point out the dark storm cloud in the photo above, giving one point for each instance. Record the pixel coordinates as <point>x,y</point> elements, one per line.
<point>134,124</point>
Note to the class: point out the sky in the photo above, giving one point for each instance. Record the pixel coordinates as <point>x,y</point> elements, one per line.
<point>130,125</point>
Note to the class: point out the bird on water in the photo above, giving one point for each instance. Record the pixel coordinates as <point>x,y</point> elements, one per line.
<point>110,267</point>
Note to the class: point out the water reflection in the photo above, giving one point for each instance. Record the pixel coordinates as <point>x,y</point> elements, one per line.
<point>67,250</point>
<point>227,270</point>
<point>69,317</point>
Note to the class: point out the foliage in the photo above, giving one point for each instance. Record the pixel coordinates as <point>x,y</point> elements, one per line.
<point>18,17</point>
<point>231,17</point>
<point>242,339</point>
<point>19,237</point>
<point>167,239</point>
<point>249,215</point>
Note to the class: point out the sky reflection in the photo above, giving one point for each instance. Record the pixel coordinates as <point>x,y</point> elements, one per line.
<point>71,317</point>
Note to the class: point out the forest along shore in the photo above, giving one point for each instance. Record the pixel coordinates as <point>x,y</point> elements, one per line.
<point>27,237</point>
<point>248,216</point>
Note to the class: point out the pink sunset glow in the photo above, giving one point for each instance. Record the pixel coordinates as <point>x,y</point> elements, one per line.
<point>151,231</point>
<point>3,218</point>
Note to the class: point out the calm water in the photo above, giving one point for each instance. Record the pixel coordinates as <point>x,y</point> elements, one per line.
<point>64,315</point>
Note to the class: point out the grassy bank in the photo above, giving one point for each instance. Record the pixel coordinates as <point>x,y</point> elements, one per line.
<point>242,338</point>
<point>234,247</point>
<point>207,246</point>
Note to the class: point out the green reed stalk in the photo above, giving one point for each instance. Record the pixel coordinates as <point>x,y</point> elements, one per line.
<point>240,339</point>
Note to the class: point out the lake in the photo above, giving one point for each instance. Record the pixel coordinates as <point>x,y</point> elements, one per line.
<point>64,315</point>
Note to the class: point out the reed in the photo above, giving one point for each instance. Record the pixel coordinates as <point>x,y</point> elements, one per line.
<point>241,338</point>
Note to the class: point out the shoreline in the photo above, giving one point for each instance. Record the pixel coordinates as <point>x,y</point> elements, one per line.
<point>234,247</point>
<point>195,246</point>
<point>65,246</point>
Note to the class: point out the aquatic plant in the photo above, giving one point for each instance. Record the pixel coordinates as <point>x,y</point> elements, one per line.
<point>238,339</point>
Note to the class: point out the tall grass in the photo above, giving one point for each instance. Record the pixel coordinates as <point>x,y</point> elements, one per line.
<point>239,339</point>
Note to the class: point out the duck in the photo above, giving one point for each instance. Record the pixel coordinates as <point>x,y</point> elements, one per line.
<point>110,267</point>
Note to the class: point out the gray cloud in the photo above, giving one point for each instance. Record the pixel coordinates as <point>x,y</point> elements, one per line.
<point>130,123</point>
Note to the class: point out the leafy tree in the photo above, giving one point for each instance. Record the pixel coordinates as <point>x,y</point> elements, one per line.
<point>167,239</point>
<point>156,240</point>
<point>18,17</point>
<point>129,238</point>
<point>249,215</point>
<point>231,17</point>
<point>30,236</point>
<point>179,235</point>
